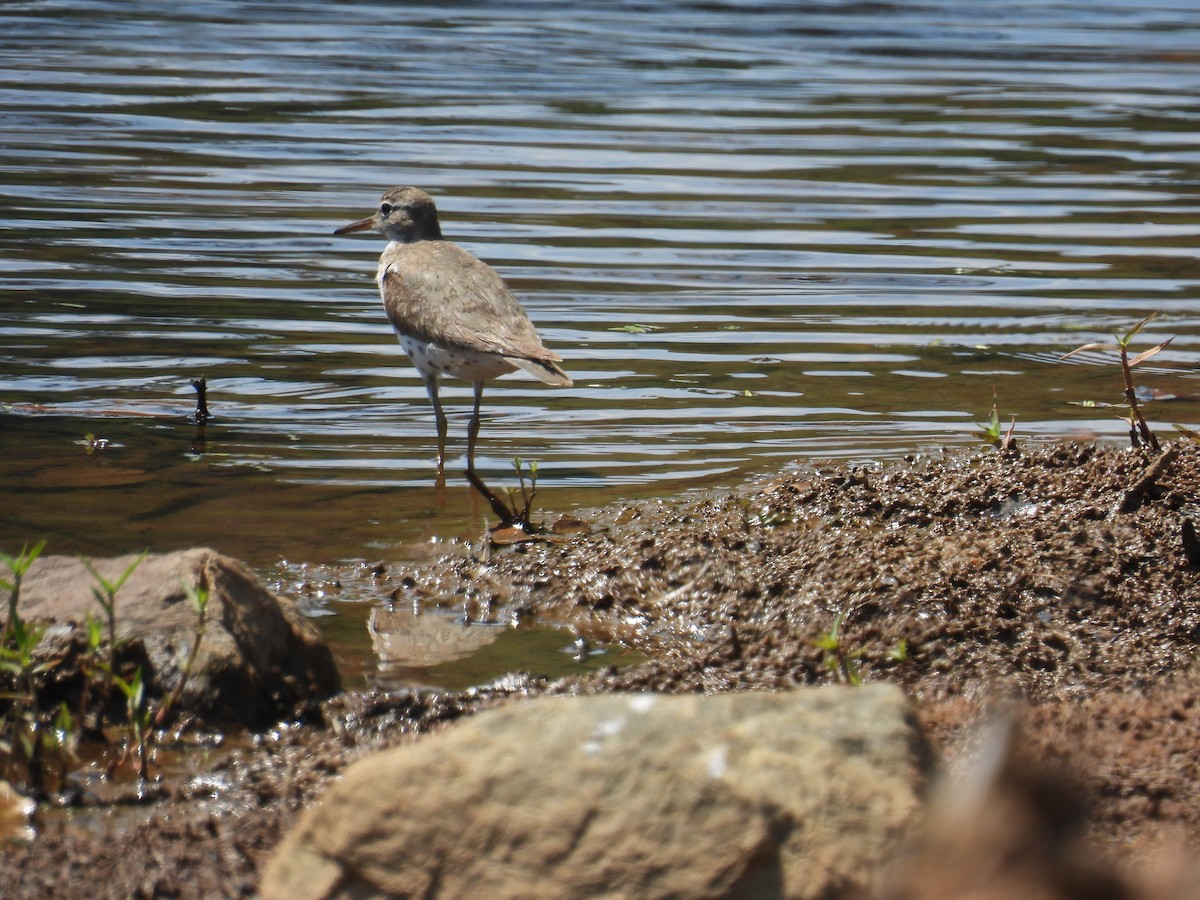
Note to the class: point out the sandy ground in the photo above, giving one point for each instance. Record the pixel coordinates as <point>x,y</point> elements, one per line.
<point>1056,588</point>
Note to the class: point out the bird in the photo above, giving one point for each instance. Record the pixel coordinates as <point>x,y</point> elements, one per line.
<point>452,312</point>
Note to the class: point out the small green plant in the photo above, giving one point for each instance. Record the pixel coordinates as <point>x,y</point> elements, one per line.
<point>517,511</point>
<point>137,712</point>
<point>105,592</point>
<point>839,658</point>
<point>18,567</point>
<point>61,740</point>
<point>20,728</point>
<point>636,328</point>
<point>37,737</point>
<point>24,725</point>
<point>91,661</point>
<point>198,594</point>
<point>992,431</point>
<point>526,494</point>
<point>1140,434</point>
<point>92,444</point>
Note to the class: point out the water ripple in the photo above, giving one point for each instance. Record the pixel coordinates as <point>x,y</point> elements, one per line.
<point>757,232</point>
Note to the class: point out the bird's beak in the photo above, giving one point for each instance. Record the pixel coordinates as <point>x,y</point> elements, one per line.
<point>360,225</point>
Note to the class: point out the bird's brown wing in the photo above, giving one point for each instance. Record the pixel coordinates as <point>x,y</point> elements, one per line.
<point>437,291</point>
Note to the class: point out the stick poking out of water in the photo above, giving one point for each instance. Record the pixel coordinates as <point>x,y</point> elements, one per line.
<point>200,416</point>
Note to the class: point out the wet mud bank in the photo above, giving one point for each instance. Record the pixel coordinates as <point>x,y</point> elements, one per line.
<point>1057,587</point>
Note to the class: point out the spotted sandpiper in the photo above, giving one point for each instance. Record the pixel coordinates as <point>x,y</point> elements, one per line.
<point>452,312</point>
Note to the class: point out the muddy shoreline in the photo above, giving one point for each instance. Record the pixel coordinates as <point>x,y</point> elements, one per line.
<point>1047,583</point>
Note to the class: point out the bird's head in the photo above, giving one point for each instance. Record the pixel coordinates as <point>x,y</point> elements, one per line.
<point>405,214</point>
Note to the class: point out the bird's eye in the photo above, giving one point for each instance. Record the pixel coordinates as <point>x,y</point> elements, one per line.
<point>385,209</point>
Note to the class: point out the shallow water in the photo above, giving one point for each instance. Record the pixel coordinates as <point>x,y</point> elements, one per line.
<point>757,232</point>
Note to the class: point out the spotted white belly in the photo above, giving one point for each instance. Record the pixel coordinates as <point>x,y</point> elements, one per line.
<point>432,358</point>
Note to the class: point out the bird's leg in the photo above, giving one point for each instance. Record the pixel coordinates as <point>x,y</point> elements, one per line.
<point>431,388</point>
<point>473,428</point>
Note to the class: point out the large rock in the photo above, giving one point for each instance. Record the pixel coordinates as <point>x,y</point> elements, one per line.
<point>645,795</point>
<point>259,655</point>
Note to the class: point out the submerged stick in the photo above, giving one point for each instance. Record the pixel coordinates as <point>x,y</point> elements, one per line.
<point>201,416</point>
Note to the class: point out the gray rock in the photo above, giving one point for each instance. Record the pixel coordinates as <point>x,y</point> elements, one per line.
<point>645,795</point>
<point>259,655</point>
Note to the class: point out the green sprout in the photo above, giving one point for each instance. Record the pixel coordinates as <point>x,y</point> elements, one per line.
<point>1139,432</point>
<point>517,511</point>
<point>199,596</point>
<point>992,431</point>
<point>839,659</point>
<point>105,592</point>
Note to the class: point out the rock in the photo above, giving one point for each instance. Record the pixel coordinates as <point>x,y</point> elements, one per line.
<point>15,812</point>
<point>798,794</point>
<point>259,655</point>
<point>1015,824</point>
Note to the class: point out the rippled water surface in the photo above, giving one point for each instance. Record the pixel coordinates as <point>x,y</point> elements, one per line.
<point>757,232</point>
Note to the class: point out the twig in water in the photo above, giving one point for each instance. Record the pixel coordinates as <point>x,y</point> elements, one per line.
<point>1140,434</point>
<point>201,416</point>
